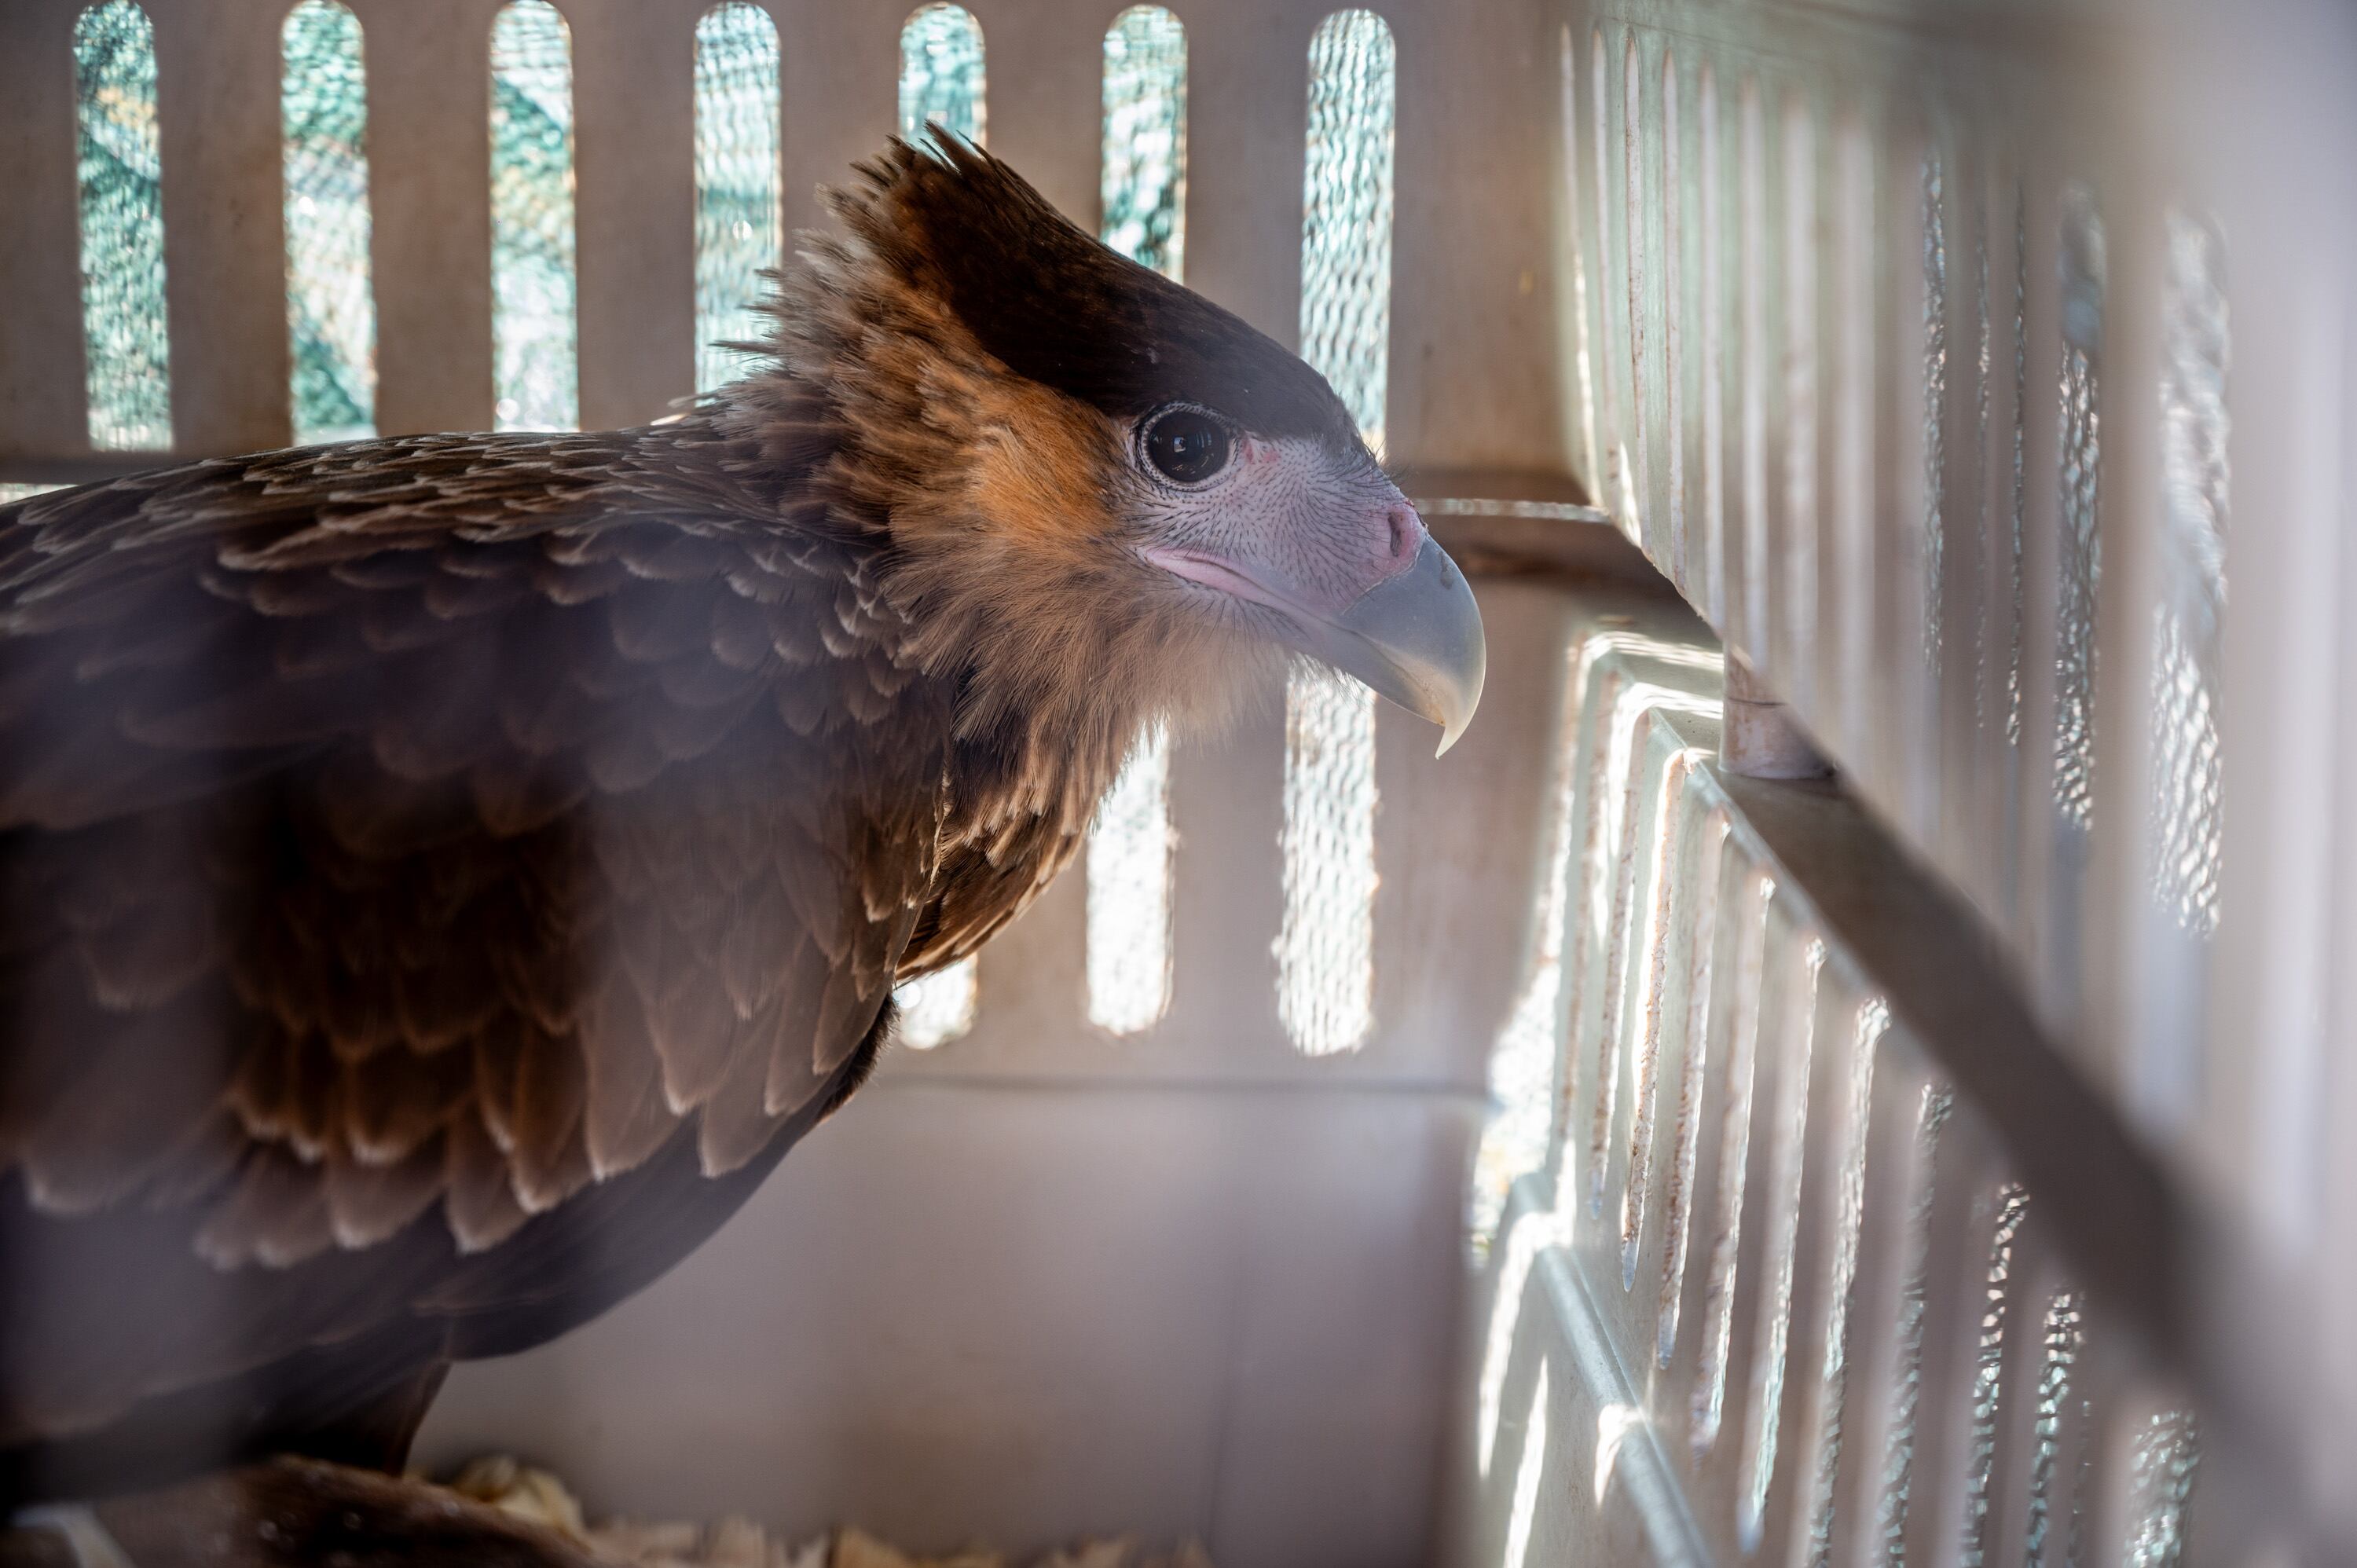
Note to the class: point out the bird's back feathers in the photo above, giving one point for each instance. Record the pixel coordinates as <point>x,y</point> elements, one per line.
<point>398,839</point>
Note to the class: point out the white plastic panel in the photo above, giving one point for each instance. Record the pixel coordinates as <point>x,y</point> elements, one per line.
<point>1836,1333</point>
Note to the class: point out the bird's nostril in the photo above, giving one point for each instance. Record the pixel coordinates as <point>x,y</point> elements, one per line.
<point>1402,527</point>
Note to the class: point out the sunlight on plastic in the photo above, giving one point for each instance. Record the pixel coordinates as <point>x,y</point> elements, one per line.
<point>1531,1234</point>
<point>938,1008</point>
<point>1527,1475</point>
<point>1614,1423</point>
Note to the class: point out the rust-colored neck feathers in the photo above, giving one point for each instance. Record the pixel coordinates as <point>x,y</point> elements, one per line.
<point>958,371</point>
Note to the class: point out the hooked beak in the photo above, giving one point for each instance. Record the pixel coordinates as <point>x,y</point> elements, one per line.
<point>1415,637</point>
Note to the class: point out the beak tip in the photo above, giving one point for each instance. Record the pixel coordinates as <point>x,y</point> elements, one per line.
<point>1416,640</point>
<point>1453,728</point>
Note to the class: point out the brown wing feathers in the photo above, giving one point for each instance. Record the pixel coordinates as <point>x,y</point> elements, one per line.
<point>433,829</point>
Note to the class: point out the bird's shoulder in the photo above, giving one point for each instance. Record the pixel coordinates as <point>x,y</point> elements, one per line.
<point>618,595</point>
<point>410,839</point>
<point>661,502</point>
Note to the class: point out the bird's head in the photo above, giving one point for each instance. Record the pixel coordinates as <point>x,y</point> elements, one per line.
<point>1097,483</point>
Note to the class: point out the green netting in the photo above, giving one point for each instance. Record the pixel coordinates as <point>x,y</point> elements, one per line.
<point>2053,1489</point>
<point>738,229</point>
<point>1326,942</point>
<point>1144,186</point>
<point>940,72</point>
<point>2163,1458</point>
<point>125,349</point>
<point>534,372</point>
<point>1325,947</point>
<point>331,307</point>
<point>1345,231</point>
<point>1935,409</point>
<point>2079,568</point>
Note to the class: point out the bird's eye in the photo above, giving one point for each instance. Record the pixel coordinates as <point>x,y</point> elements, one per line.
<point>1186,445</point>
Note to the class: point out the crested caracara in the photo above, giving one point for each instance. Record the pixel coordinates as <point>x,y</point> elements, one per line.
<point>441,876</point>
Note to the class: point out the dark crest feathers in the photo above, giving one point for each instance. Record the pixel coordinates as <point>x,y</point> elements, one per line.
<point>1055,305</point>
